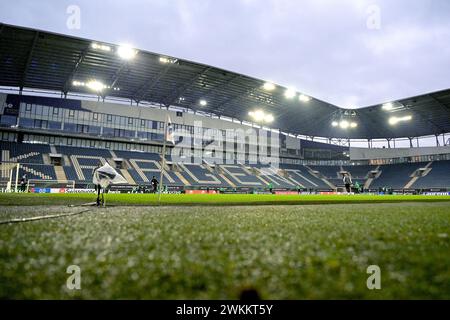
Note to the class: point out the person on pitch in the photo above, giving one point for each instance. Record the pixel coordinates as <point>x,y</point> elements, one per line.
<point>23,183</point>
<point>97,187</point>
<point>357,187</point>
<point>348,183</point>
<point>154,183</point>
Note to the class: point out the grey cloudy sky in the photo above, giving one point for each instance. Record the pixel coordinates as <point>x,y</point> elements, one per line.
<point>321,47</point>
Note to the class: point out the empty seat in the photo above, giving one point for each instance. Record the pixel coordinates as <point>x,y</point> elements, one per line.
<point>23,152</point>
<point>395,176</point>
<point>438,177</point>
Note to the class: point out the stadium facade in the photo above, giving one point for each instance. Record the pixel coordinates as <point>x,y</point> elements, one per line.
<point>68,104</point>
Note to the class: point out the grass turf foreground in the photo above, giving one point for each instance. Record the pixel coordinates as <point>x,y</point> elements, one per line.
<point>8,199</point>
<point>283,252</point>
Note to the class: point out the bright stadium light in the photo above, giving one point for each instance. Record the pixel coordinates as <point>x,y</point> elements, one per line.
<point>395,120</point>
<point>344,124</point>
<point>78,84</point>
<point>102,47</point>
<point>335,124</point>
<point>353,125</point>
<point>304,98</point>
<point>126,52</point>
<point>269,86</point>
<point>203,103</point>
<point>167,60</point>
<point>261,116</point>
<point>388,106</point>
<point>258,115</point>
<point>269,118</point>
<point>164,60</point>
<point>290,93</point>
<point>95,85</point>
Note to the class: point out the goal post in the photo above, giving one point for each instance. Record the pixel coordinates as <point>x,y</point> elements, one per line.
<point>9,176</point>
<point>50,185</point>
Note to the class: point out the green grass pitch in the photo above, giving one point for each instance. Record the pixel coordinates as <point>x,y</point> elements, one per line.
<point>213,199</point>
<point>284,248</point>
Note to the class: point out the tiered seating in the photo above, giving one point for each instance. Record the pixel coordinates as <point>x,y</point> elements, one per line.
<point>143,166</point>
<point>396,176</point>
<point>144,177</point>
<point>24,152</point>
<point>86,152</point>
<point>37,171</point>
<point>71,174</point>
<point>301,176</point>
<point>439,176</point>
<point>331,173</point>
<point>199,175</point>
<point>241,176</point>
<point>83,161</point>
<point>137,155</point>
<point>270,175</point>
<point>359,172</point>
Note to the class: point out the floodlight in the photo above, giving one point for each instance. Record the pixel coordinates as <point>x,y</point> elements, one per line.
<point>304,98</point>
<point>167,60</point>
<point>203,103</point>
<point>164,60</point>
<point>344,124</point>
<point>101,47</point>
<point>78,84</point>
<point>335,123</point>
<point>353,125</point>
<point>290,93</point>
<point>269,86</point>
<point>95,85</point>
<point>388,106</point>
<point>126,52</point>
<point>269,118</point>
<point>259,115</point>
<point>394,120</point>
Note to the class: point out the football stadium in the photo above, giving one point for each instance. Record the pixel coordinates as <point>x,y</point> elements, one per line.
<point>155,177</point>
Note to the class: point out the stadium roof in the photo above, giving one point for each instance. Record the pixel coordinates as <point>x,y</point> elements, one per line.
<point>47,61</point>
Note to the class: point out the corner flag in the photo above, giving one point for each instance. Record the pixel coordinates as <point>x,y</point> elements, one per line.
<point>107,175</point>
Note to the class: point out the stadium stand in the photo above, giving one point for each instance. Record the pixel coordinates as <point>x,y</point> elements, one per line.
<point>271,175</point>
<point>84,152</point>
<point>140,167</point>
<point>358,172</point>
<point>330,173</point>
<point>37,172</point>
<point>438,177</point>
<point>71,174</point>
<point>198,175</point>
<point>137,155</point>
<point>303,177</point>
<point>395,176</point>
<point>24,152</point>
<point>241,176</point>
